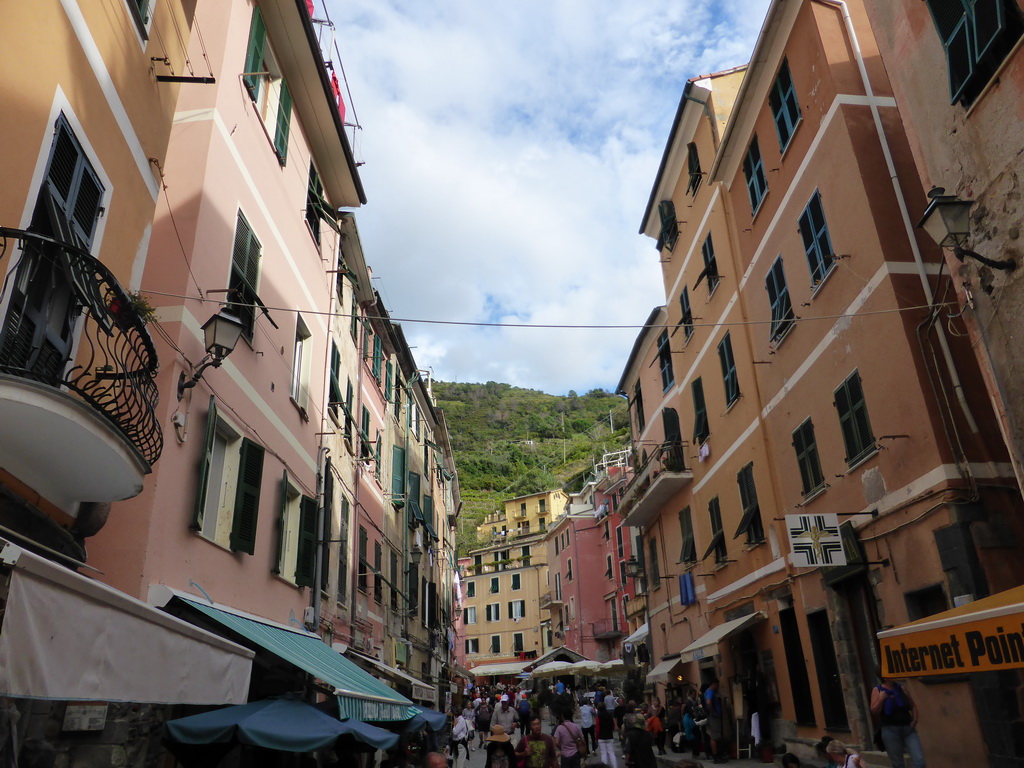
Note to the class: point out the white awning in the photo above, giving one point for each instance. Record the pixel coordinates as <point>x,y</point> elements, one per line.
<point>707,644</point>
<point>639,636</point>
<point>500,670</point>
<point>69,637</point>
<point>421,691</point>
<point>663,669</point>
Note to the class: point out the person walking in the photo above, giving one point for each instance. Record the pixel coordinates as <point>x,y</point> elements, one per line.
<point>638,742</point>
<point>469,715</point>
<point>537,749</point>
<point>505,716</point>
<point>459,744</point>
<point>483,721</point>
<point>568,738</point>
<point>713,707</point>
<point>656,724</point>
<point>605,732</point>
<point>587,713</point>
<point>499,749</point>
<point>673,725</point>
<point>896,711</point>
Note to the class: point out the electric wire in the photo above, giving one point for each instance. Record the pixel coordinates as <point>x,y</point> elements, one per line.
<point>563,326</point>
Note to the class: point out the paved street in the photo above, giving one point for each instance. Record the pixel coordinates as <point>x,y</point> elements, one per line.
<point>477,758</point>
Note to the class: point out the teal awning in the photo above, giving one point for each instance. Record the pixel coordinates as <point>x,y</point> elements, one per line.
<point>361,696</point>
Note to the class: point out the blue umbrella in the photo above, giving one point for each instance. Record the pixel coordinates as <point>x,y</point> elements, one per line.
<point>282,724</point>
<point>431,718</point>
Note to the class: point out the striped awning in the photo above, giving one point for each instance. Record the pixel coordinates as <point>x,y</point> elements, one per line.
<point>361,696</point>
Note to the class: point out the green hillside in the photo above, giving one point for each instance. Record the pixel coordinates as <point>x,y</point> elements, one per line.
<point>510,441</point>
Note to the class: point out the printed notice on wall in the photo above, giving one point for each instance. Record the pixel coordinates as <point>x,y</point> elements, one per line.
<point>85,717</point>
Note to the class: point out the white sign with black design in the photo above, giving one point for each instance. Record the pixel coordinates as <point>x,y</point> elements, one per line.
<point>814,540</point>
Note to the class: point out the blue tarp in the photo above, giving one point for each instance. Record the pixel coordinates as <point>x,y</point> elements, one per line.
<point>283,724</point>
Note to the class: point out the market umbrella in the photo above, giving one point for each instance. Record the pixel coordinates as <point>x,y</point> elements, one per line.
<point>586,666</point>
<point>431,718</point>
<point>615,665</point>
<point>282,724</point>
<point>551,669</point>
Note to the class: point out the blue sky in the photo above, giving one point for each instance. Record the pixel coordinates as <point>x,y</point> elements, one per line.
<point>509,150</point>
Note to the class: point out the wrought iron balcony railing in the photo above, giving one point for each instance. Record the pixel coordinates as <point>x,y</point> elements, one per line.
<point>663,468</point>
<point>70,325</point>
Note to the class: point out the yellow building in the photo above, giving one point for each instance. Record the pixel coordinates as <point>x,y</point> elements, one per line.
<point>523,516</point>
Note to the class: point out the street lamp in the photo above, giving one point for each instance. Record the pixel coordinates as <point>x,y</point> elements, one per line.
<point>947,221</point>
<point>633,568</point>
<point>221,333</point>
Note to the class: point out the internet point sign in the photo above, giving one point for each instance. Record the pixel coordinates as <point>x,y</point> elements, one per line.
<point>980,637</point>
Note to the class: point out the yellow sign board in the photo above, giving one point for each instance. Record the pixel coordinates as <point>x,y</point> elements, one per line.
<point>973,646</point>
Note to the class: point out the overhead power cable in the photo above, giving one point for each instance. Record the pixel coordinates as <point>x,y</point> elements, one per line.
<point>480,324</point>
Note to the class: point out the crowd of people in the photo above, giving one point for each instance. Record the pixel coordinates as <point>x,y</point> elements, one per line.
<point>517,729</point>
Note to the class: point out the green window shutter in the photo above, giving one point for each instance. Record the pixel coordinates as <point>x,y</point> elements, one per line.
<point>205,460</point>
<point>325,558</point>
<point>700,413</point>
<point>694,169</point>
<point>247,497</point>
<point>282,526</point>
<point>414,487</point>
<point>378,356</point>
<point>397,472</point>
<point>305,563</point>
<point>853,418</point>
<point>688,552</point>
<point>254,54</point>
<point>669,226</point>
<point>284,121</point>
<point>988,18</point>
<point>428,512</point>
<point>388,381</point>
<point>807,457</point>
<point>950,17</point>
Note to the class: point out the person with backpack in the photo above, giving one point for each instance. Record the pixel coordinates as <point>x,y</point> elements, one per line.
<point>483,721</point>
<point>896,711</point>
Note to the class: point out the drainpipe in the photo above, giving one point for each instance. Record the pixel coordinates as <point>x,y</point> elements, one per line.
<point>904,213</point>
<point>411,589</point>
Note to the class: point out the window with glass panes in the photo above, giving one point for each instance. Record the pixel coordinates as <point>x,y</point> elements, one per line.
<point>693,168</point>
<point>784,106</point>
<point>778,298</point>
<point>669,226</point>
<point>817,245</point>
<point>710,272</point>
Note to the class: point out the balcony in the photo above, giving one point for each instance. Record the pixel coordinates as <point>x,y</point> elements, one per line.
<point>551,601</point>
<point>606,629</point>
<point>662,475</point>
<point>637,607</point>
<point>78,391</point>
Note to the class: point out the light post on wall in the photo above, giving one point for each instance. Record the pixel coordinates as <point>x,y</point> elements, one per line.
<point>947,221</point>
<point>221,333</point>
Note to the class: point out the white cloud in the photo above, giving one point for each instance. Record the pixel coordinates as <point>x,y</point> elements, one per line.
<point>509,152</point>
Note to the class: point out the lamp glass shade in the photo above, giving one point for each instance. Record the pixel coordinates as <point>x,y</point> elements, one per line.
<point>415,555</point>
<point>632,568</point>
<point>221,333</point>
<point>947,221</point>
